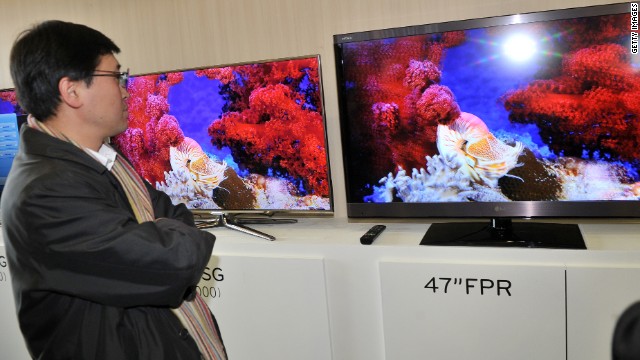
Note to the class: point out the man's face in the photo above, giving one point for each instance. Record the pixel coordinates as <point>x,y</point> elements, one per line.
<point>107,100</point>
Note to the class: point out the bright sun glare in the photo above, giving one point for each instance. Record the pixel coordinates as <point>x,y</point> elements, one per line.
<point>519,47</point>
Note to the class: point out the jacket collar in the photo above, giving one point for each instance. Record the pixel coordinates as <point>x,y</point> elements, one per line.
<point>34,142</point>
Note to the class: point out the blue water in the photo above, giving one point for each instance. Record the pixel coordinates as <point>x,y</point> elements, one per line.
<point>478,74</point>
<point>196,103</point>
<point>6,107</point>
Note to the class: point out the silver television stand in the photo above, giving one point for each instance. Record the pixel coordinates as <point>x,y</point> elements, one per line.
<point>237,222</point>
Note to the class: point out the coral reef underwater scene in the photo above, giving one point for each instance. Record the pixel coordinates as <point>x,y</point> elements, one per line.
<point>544,111</point>
<point>9,102</point>
<point>242,137</point>
<point>10,114</point>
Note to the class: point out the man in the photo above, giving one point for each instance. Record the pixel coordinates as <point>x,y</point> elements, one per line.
<point>103,266</point>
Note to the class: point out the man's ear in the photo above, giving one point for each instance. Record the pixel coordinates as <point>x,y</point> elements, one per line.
<point>70,92</point>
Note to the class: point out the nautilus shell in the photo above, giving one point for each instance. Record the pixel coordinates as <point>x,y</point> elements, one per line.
<point>468,141</point>
<point>206,174</point>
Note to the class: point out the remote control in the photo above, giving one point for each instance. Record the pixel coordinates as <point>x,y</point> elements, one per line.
<point>371,234</point>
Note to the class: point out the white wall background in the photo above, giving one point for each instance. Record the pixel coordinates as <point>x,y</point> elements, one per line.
<point>158,35</point>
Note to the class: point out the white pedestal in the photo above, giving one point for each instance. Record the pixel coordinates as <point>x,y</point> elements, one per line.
<point>472,311</point>
<point>269,307</point>
<point>11,342</point>
<point>597,296</point>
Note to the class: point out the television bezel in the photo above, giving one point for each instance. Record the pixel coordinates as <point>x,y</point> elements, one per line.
<point>474,210</point>
<point>256,215</point>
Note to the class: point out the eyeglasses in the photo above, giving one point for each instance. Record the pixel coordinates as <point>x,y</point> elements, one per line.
<point>123,77</point>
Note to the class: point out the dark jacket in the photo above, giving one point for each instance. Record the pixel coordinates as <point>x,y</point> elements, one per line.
<point>89,281</point>
<point>626,334</point>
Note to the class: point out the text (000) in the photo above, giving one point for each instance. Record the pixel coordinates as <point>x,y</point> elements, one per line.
<point>208,291</point>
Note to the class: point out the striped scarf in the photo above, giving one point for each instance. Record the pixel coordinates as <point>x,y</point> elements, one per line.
<point>194,315</point>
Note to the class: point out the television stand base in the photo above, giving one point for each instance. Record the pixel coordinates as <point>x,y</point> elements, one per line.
<point>236,222</point>
<point>505,233</point>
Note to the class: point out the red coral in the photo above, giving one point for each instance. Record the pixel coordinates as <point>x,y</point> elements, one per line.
<point>9,96</point>
<point>271,98</point>
<point>156,106</point>
<point>225,75</point>
<point>453,38</point>
<point>385,118</point>
<point>601,66</point>
<point>437,105</point>
<point>436,53</point>
<point>421,74</point>
<point>275,132</point>
<point>174,78</point>
<point>611,28</point>
<point>241,80</point>
<point>169,132</point>
<point>591,106</point>
<point>150,128</point>
<point>139,89</point>
<point>162,134</point>
<point>397,72</point>
<point>131,143</point>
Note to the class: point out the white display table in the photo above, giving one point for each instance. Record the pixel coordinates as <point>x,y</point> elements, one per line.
<point>316,293</point>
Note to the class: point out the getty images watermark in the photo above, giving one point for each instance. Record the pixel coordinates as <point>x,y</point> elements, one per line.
<point>634,28</point>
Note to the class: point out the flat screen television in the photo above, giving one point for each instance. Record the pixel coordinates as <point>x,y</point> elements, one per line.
<point>233,140</point>
<point>11,118</point>
<point>526,116</point>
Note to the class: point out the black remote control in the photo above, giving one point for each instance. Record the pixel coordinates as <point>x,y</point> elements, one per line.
<point>371,234</point>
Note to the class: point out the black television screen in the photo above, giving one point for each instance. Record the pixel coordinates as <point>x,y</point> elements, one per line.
<point>236,138</point>
<point>523,116</point>
<point>11,118</point>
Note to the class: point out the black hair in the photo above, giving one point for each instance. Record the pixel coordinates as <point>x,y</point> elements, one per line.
<point>46,53</point>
